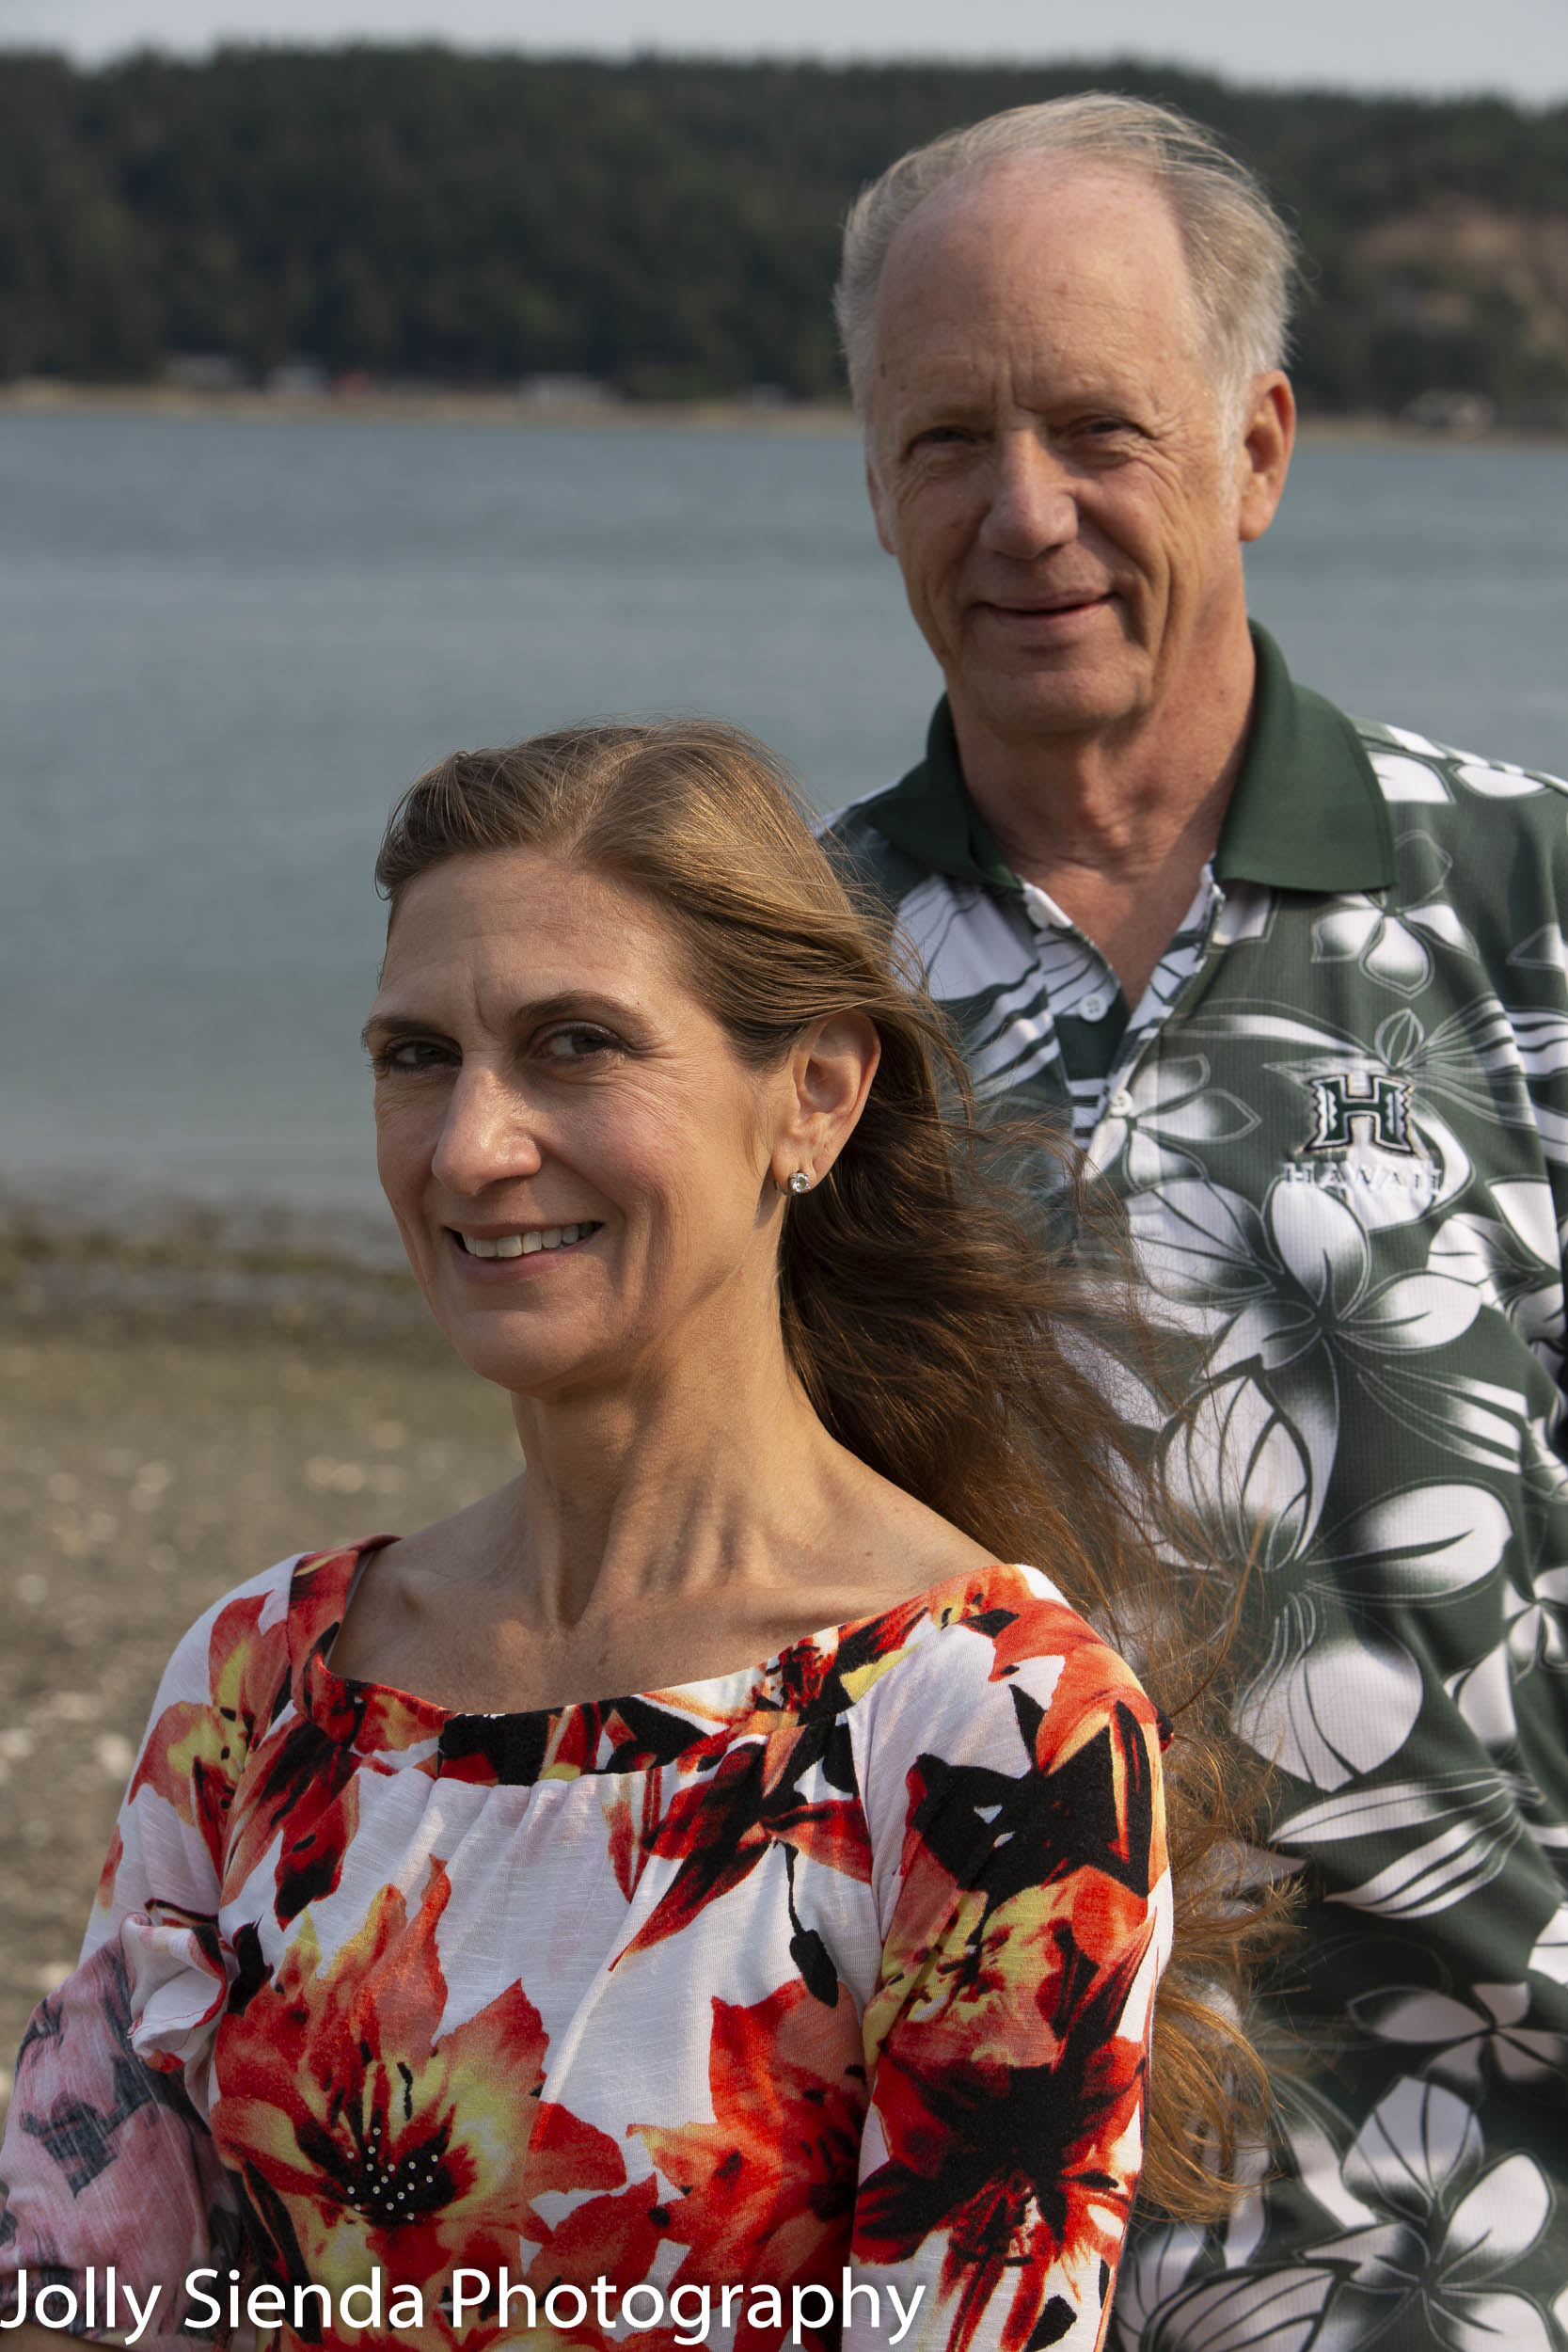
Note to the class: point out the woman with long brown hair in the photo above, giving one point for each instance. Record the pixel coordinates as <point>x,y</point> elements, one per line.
<point>701,1888</point>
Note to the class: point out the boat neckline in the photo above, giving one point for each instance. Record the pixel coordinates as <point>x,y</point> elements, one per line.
<point>322,1585</point>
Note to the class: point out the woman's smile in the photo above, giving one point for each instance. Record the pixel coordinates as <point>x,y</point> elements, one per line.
<point>490,1256</point>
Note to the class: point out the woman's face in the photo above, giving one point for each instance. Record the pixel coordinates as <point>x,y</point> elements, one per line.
<point>582,1169</point>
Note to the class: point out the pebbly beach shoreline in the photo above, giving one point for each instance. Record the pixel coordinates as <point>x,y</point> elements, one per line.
<point>185,1396</point>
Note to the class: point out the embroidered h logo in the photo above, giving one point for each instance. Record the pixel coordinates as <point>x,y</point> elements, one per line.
<point>1380,1108</point>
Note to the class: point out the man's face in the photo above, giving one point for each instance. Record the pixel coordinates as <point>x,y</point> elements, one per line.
<point>1047,451</point>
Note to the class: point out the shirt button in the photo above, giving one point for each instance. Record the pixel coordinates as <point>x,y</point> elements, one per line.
<point>1120,1103</point>
<point>1094,1007</point>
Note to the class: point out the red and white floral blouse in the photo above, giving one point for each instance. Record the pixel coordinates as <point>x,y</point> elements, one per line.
<point>840,1965</point>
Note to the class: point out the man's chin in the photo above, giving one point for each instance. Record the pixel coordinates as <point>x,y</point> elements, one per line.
<point>1046,703</point>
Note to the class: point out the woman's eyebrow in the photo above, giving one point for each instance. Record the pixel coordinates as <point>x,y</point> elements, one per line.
<point>390,1024</point>
<point>568,1000</point>
<point>565,1001</point>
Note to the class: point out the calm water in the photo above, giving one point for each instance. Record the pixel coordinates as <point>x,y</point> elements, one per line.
<point>225,646</point>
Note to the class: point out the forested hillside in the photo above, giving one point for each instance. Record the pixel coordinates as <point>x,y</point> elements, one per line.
<point>671,229</point>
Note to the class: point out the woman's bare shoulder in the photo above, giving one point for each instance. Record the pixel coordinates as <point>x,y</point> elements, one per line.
<point>477,1538</point>
<point>895,1546</point>
<point>410,1590</point>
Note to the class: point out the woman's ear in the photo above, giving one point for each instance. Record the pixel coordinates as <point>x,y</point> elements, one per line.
<point>828,1079</point>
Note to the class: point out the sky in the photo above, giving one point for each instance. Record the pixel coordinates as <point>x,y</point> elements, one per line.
<point>1516,47</point>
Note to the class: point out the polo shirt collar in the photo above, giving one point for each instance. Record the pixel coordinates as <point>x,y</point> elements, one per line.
<point>930,815</point>
<point>1306,812</point>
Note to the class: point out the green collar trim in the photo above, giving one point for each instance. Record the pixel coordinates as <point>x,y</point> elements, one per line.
<point>930,815</point>
<point>1306,812</point>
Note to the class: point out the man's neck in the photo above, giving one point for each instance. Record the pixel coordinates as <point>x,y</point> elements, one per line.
<point>1117,827</point>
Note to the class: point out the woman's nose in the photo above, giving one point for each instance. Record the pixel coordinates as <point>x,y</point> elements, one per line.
<point>487,1134</point>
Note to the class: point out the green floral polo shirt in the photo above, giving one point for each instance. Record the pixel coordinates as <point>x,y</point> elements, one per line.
<point>1338,1119</point>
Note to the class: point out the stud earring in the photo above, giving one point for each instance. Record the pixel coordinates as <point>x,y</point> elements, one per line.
<point>798,1183</point>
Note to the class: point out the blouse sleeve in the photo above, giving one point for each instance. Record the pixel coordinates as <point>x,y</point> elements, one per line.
<point>107,2161</point>
<point>1012,1787</point>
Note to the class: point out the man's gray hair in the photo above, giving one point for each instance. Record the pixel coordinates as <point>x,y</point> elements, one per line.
<point>1240,254</point>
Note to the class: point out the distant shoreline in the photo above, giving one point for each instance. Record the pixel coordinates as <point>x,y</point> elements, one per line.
<point>505,411</point>
<point>492,410</point>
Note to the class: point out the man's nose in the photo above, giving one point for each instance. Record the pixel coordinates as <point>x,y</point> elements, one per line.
<point>1033,507</point>
<point>487,1134</point>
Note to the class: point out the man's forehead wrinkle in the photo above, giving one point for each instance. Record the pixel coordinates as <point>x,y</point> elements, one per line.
<point>955,263</point>
<point>1026,369</point>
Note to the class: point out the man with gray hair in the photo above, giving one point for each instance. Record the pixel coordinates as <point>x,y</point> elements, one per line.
<point>1299,985</point>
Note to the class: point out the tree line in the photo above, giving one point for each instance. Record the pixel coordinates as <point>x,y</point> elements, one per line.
<point>670,227</point>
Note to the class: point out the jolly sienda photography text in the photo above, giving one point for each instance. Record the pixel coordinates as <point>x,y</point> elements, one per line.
<point>104,2300</point>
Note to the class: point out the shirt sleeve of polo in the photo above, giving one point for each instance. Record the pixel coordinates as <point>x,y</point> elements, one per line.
<point>1012,1769</point>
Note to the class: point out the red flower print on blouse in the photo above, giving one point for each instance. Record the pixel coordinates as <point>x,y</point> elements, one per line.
<point>1010,2069</point>
<point>720,1828</point>
<point>194,1752</point>
<point>774,2172</point>
<point>366,2140</point>
<point>763,2194</point>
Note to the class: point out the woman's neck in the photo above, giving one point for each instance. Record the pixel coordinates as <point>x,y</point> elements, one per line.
<point>677,1528</point>
<point>693,1475</point>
